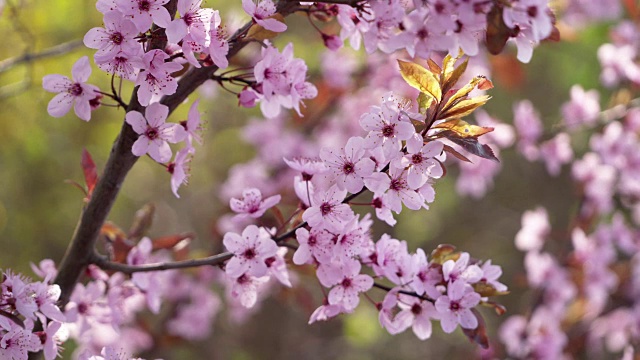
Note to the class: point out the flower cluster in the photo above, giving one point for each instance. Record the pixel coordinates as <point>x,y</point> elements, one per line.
<point>24,302</point>
<point>423,27</point>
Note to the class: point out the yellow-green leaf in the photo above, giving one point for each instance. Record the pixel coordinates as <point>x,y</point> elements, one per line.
<point>420,78</point>
<point>464,107</point>
<point>424,101</point>
<point>463,128</point>
<point>464,91</point>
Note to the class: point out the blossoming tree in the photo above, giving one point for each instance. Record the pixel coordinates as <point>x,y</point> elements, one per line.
<point>318,205</point>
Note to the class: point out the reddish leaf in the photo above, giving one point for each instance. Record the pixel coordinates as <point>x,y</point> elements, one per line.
<point>472,145</point>
<point>117,239</point>
<point>498,308</point>
<point>90,173</point>
<point>479,334</point>
<point>141,222</point>
<point>455,153</point>
<point>497,31</point>
<point>168,242</point>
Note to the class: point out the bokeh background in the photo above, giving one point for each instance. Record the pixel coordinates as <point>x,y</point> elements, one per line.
<point>39,208</point>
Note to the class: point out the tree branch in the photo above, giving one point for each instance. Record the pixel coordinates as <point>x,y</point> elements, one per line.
<point>30,57</point>
<point>214,260</point>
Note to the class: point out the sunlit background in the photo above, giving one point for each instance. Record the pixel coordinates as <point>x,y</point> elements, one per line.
<point>39,208</point>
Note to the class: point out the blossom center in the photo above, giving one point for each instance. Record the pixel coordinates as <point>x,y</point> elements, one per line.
<point>388,130</point>
<point>416,158</point>
<point>348,168</point>
<point>116,38</point>
<point>75,89</point>
<point>455,306</point>
<point>346,283</point>
<point>249,253</point>
<point>152,133</point>
<point>532,11</point>
<point>416,309</point>
<point>144,5</point>
<point>325,208</point>
<point>396,185</point>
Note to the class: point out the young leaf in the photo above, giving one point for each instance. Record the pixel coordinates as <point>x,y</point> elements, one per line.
<point>479,334</point>
<point>442,253</point>
<point>464,107</point>
<point>424,101</point>
<point>471,145</point>
<point>420,78</point>
<point>90,173</point>
<point>463,128</point>
<point>497,31</point>
<point>464,91</point>
<point>141,222</point>
<point>452,78</point>
<point>168,242</point>
<point>455,153</point>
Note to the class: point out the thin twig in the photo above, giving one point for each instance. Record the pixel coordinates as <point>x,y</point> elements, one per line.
<point>29,57</point>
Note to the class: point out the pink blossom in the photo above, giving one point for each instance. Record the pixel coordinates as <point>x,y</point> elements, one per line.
<point>349,165</point>
<point>427,276</point>
<point>460,269</point>
<point>251,204</point>
<point>417,313</point>
<point>17,342</point>
<point>420,161</point>
<point>387,126</point>
<point>328,211</point>
<point>529,128</point>
<point>154,133</point>
<point>121,64</point>
<point>118,35</point>
<point>535,228</point>
<point>278,266</point>
<point>179,170</point>
<point>246,287</point>
<point>314,245</point>
<point>145,12</point>
<point>350,283</point>
<point>74,92</point>
<point>583,109</point>
<point>156,78</point>
<point>556,152</point>
<point>193,126</point>
<point>193,20</point>
<point>250,251</point>
<point>327,311</point>
<point>454,308</point>
<point>218,45</point>
<point>261,12</point>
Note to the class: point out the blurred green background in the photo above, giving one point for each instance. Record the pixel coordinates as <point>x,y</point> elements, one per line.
<point>39,210</point>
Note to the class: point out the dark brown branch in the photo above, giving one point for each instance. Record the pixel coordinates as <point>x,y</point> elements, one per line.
<point>214,260</point>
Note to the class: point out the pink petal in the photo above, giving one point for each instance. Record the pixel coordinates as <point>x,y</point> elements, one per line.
<point>160,151</point>
<point>60,104</point>
<point>272,25</point>
<point>96,38</point>
<point>56,83</point>
<point>467,319</point>
<point>141,146</point>
<point>176,31</point>
<point>233,242</point>
<point>137,122</point>
<point>81,70</point>
<point>82,109</point>
<point>156,114</point>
